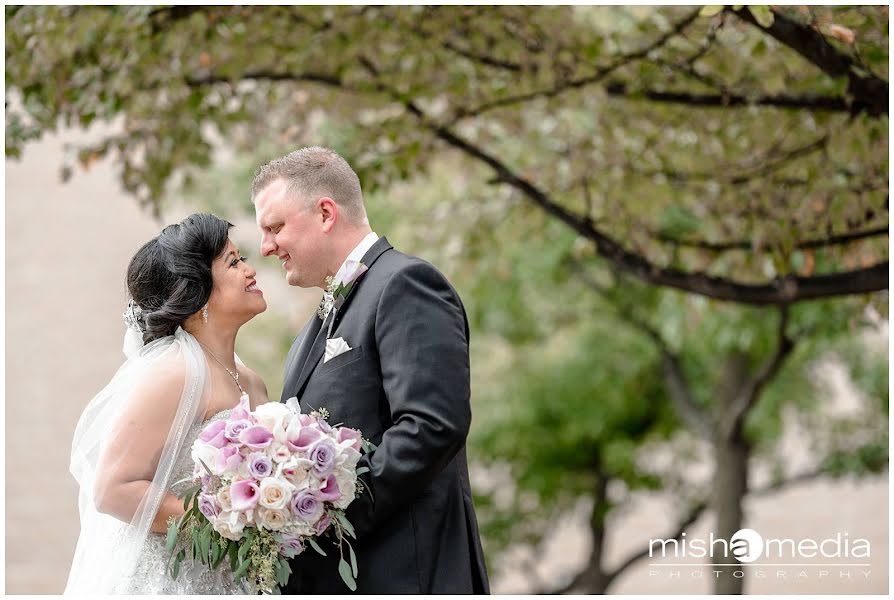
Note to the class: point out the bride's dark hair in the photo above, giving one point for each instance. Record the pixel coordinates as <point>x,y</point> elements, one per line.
<point>170,276</point>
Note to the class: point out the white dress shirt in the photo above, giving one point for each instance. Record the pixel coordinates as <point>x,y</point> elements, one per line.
<point>356,255</point>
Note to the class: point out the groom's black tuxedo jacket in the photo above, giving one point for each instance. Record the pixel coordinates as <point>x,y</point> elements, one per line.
<point>405,385</point>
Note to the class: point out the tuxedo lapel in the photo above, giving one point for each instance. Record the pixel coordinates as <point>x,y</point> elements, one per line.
<point>313,356</point>
<point>316,350</point>
<point>298,356</point>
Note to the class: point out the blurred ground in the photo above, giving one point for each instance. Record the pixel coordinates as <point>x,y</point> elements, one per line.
<point>67,249</point>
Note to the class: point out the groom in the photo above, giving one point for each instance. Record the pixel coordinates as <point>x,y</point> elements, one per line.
<point>386,353</point>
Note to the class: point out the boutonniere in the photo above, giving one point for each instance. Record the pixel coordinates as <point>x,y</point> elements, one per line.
<point>335,295</point>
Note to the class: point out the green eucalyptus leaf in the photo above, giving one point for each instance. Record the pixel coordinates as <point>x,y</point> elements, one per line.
<point>172,537</point>
<point>315,546</point>
<point>353,559</point>
<point>344,569</point>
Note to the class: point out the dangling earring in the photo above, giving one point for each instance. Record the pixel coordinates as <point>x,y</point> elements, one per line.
<point>205,313</point>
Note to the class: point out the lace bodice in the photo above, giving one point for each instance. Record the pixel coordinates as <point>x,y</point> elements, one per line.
<point>151,575</point>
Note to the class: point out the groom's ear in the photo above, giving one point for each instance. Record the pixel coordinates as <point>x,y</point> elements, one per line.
<point>328,212</point>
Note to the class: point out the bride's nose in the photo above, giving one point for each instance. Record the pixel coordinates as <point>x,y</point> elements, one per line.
<point>250,271</point>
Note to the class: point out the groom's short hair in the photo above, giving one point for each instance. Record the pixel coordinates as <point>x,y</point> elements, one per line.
<point>311,173</point>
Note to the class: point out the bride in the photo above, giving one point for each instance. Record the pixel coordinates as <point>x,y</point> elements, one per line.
<point>191,292</point>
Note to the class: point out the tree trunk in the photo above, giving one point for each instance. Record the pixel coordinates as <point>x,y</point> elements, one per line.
<point>730,483</point>
<point>593,579</point>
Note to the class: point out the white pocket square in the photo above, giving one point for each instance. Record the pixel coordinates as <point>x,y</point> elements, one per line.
<point>334,347</point>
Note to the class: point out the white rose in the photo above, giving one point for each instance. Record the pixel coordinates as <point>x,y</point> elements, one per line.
<point>346,457</point>
<point>223,498</point>
<point>272,519</point>
<point>207,454</point>
<point>230,525</point>
<point>278,452</point>
<point>299,528</point>
<point>347,485</point>
<point>295,470</point>
<point>275,493</point>
<point>273,416</point>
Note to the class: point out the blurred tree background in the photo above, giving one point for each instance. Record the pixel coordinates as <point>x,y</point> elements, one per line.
<point>663,221</point>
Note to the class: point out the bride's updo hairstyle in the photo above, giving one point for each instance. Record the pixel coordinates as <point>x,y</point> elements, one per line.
<point>169,278</point>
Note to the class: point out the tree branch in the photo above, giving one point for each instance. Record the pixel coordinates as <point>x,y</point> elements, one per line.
<point>719,174</point>
<point>805,101</point>
<point>266,75</point>
<point>781,290</point>
<point>675,377</point>
<point>870,92</point>
<point>600,74</point>
<point>691,517</point>
<point>748,396</point>
<point>162,18</point>
<point>833,240</point>
<point>484,59</point>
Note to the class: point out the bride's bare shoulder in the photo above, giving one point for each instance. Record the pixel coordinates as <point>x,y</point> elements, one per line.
<point>257,392</point>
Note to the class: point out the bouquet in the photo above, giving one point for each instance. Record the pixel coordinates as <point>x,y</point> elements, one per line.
<point>267,483</point>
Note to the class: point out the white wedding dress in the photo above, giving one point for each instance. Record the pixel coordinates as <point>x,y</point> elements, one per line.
<point>118,557</point>
<point>152,575</point>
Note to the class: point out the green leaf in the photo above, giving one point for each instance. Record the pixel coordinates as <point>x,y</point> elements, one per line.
<point>762,14</point>
<point>344,569</point>
<point>221,554</point>
<point>241,570</point>
<point>282,571</point>
<point>243,550</point>
<point>353,559</point>
<point>216,552</point>
<point>206,467</point>
<point>315,546</point>
<point>710,10</point>
<point>362,470</point>
<point>340,516</point>
<point>172,537</point>
<point>175,570</point>
<point>234,559</point>
<point>205,546</point>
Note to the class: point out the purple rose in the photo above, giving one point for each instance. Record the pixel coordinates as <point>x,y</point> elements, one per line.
<point>322,524</point>
<point>256,437</point>
<point>329,491</point>
<point>259,465</point>
<point>290,546</point>
<point>208,506</point>
<point>244,495</point>
<point>306,506</point>
<point>323,457</point>
<point>213,435</point>
<point>324,426</point>
<point>234,428</point>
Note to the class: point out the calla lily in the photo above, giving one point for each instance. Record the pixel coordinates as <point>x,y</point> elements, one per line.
<point>256,437</point>
<point>214,434</point>
<point>244,495</point>
<point>329,491</point>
